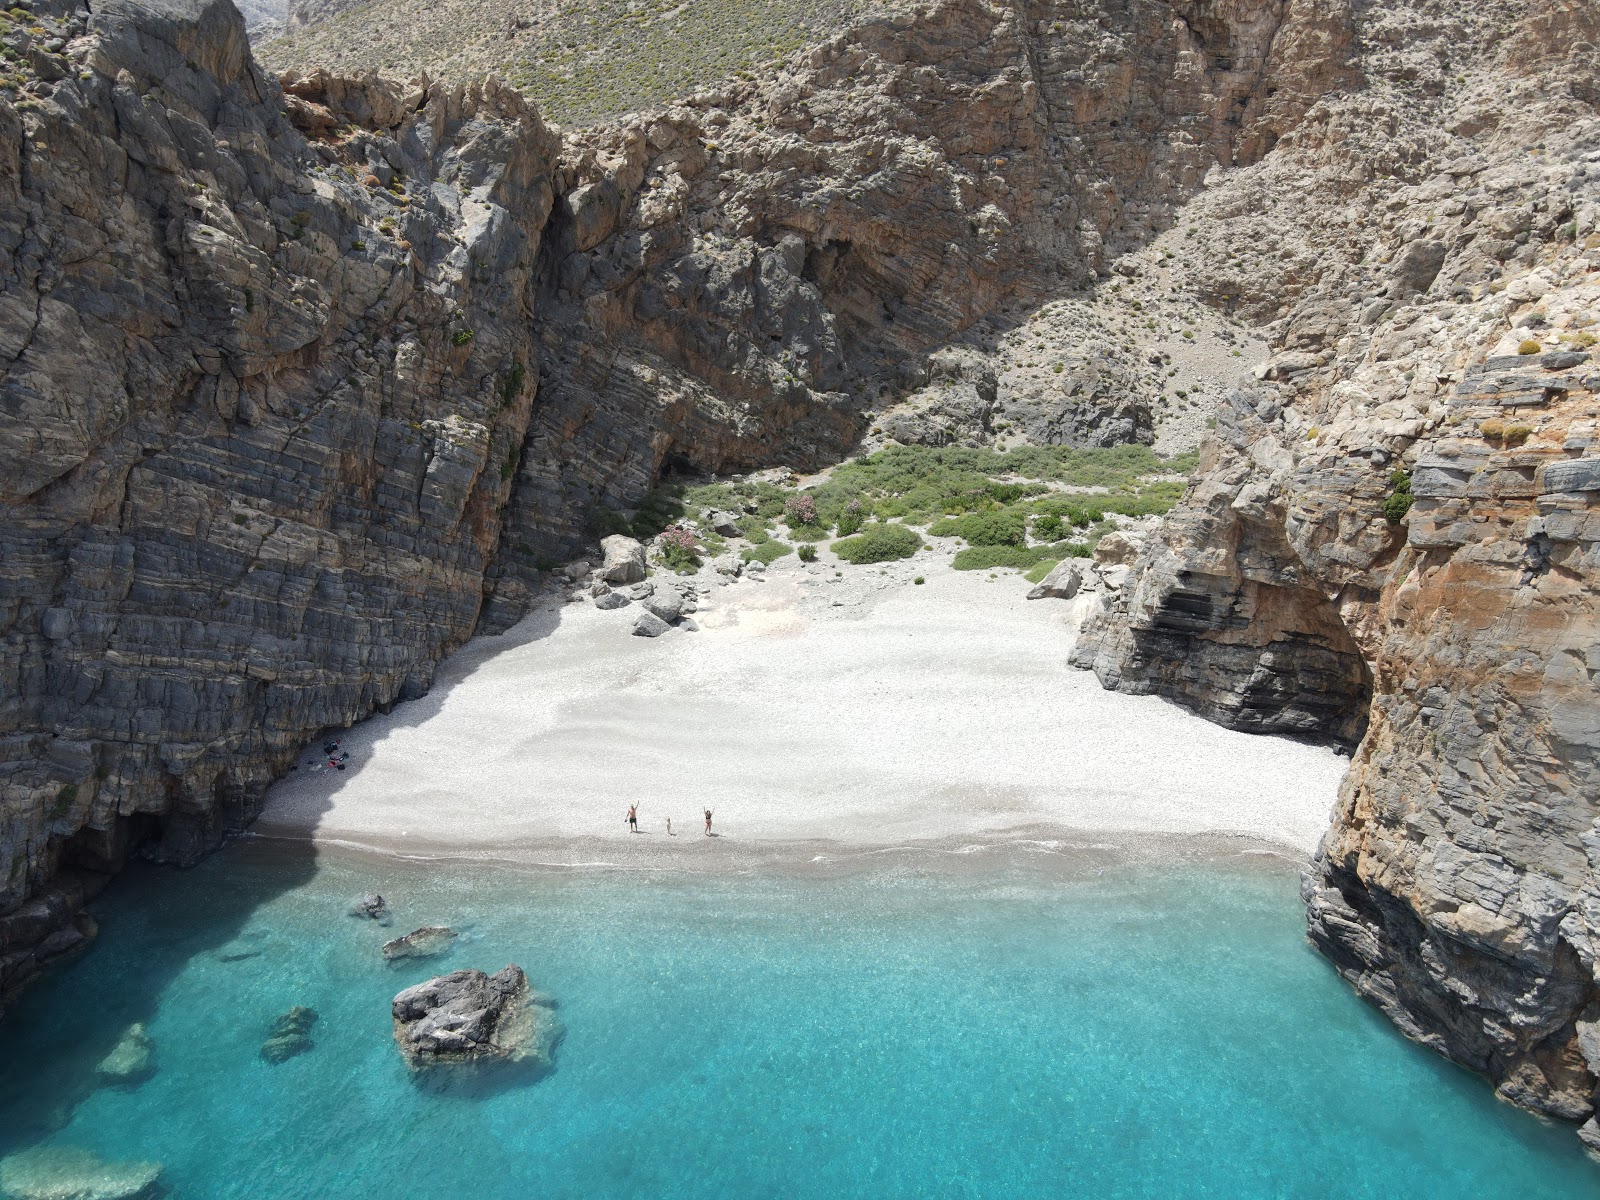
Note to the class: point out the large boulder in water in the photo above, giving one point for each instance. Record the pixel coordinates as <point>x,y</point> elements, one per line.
<point>67,1173</point>
<point>131,1061</point>
<point>467,1016</point>
<point>420,943</point>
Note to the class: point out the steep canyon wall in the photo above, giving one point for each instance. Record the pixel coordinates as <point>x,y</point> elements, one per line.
<point>303,378</point>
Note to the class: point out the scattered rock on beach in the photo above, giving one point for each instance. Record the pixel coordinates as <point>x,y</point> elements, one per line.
<point>290,1035</point>
<point>578,571</point>
<point>68,1173</point>
<point>724,523</point>
<point>1062,583</point>
<point>647,624</point>
<point>624,561</point>
<point>666,605</point>
<point>1118,549</point>
<point>420,943</point>
<point>466,1016</point>
<point>688,625</point>
<point>611,600</point>
<point>131,1061</point>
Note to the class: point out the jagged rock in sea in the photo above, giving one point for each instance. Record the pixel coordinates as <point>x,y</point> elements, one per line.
<point>420,943</point>
<point>67,1173</point>
<point>468,1016</point>
<point>131,1061</point>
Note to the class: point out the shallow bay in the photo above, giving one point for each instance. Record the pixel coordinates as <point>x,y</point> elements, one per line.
<point>1018,1022</point>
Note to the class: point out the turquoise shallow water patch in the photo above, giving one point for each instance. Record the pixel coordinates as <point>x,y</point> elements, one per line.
<point>1015,1031</point>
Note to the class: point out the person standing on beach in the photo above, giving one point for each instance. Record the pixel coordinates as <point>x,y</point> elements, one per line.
<point>708,822</point>
<point>633,818</point>
<point>669,828</point>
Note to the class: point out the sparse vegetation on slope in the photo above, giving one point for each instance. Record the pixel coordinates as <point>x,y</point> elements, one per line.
<point>579,62</point>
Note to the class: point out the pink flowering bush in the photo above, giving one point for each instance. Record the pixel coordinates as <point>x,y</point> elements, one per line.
<point>851,519</point>
<point>800,510</point>
<point>680,549</point>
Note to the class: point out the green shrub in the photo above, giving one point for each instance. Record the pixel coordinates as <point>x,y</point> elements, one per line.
<point>1398,502</point>
<point>807,553</point>
<point>808,533</point>
<point>984,558</point>
<point>680,550</point>
<point>1517,434</point>
<point>879,543</point>
<point>1529,346</point>
<point>767,551</point>
<point>997,527</point>
<point>919,579</point>
<point>603,522</point>
<point>461,337</point>
<point>1037,572</point>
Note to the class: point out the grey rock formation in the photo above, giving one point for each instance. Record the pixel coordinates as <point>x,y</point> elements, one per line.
<point>1392,541</point>
<point>420,943</point>
<point>467,1016</point>
<point>611,600</point>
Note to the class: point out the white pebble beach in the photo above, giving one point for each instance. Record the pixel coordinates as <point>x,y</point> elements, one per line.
<point>860,709</point>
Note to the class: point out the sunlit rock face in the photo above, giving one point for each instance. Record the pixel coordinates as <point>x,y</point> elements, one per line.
<point>1391,543</point>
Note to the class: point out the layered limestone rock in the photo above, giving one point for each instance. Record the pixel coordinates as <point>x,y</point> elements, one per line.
<point>1392,540</point>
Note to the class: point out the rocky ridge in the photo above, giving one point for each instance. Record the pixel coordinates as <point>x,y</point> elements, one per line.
<point>1391,541</point>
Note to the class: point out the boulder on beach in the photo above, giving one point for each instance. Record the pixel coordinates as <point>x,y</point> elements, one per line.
<point>724,523</point>
<point>68,1173</point>
<point>578,571</point>
<point>1118,549</point>
<point>131,1061</point>
<point>1062,583</point>
<point>290,1035</point>
<point>468,1016</point>
<point>420,943</point>
<point>624,562</point>
<point>372,906</point>
<point>608,600</point>
<point>647,624</point>
<point>667,605</point>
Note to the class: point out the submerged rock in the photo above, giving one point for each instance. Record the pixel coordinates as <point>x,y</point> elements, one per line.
<point>131,1061</point>
<point>467,1016</point>
<point>68,1173</point>
<point>290,1035</point>
<point>371,906</point>
<point>420,943</point>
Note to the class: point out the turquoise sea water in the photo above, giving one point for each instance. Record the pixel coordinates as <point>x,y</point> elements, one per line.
<point>1019,1027</point>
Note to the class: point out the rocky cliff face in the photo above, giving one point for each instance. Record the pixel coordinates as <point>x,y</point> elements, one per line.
<point>302,378</point>
<point>1392,541</point>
